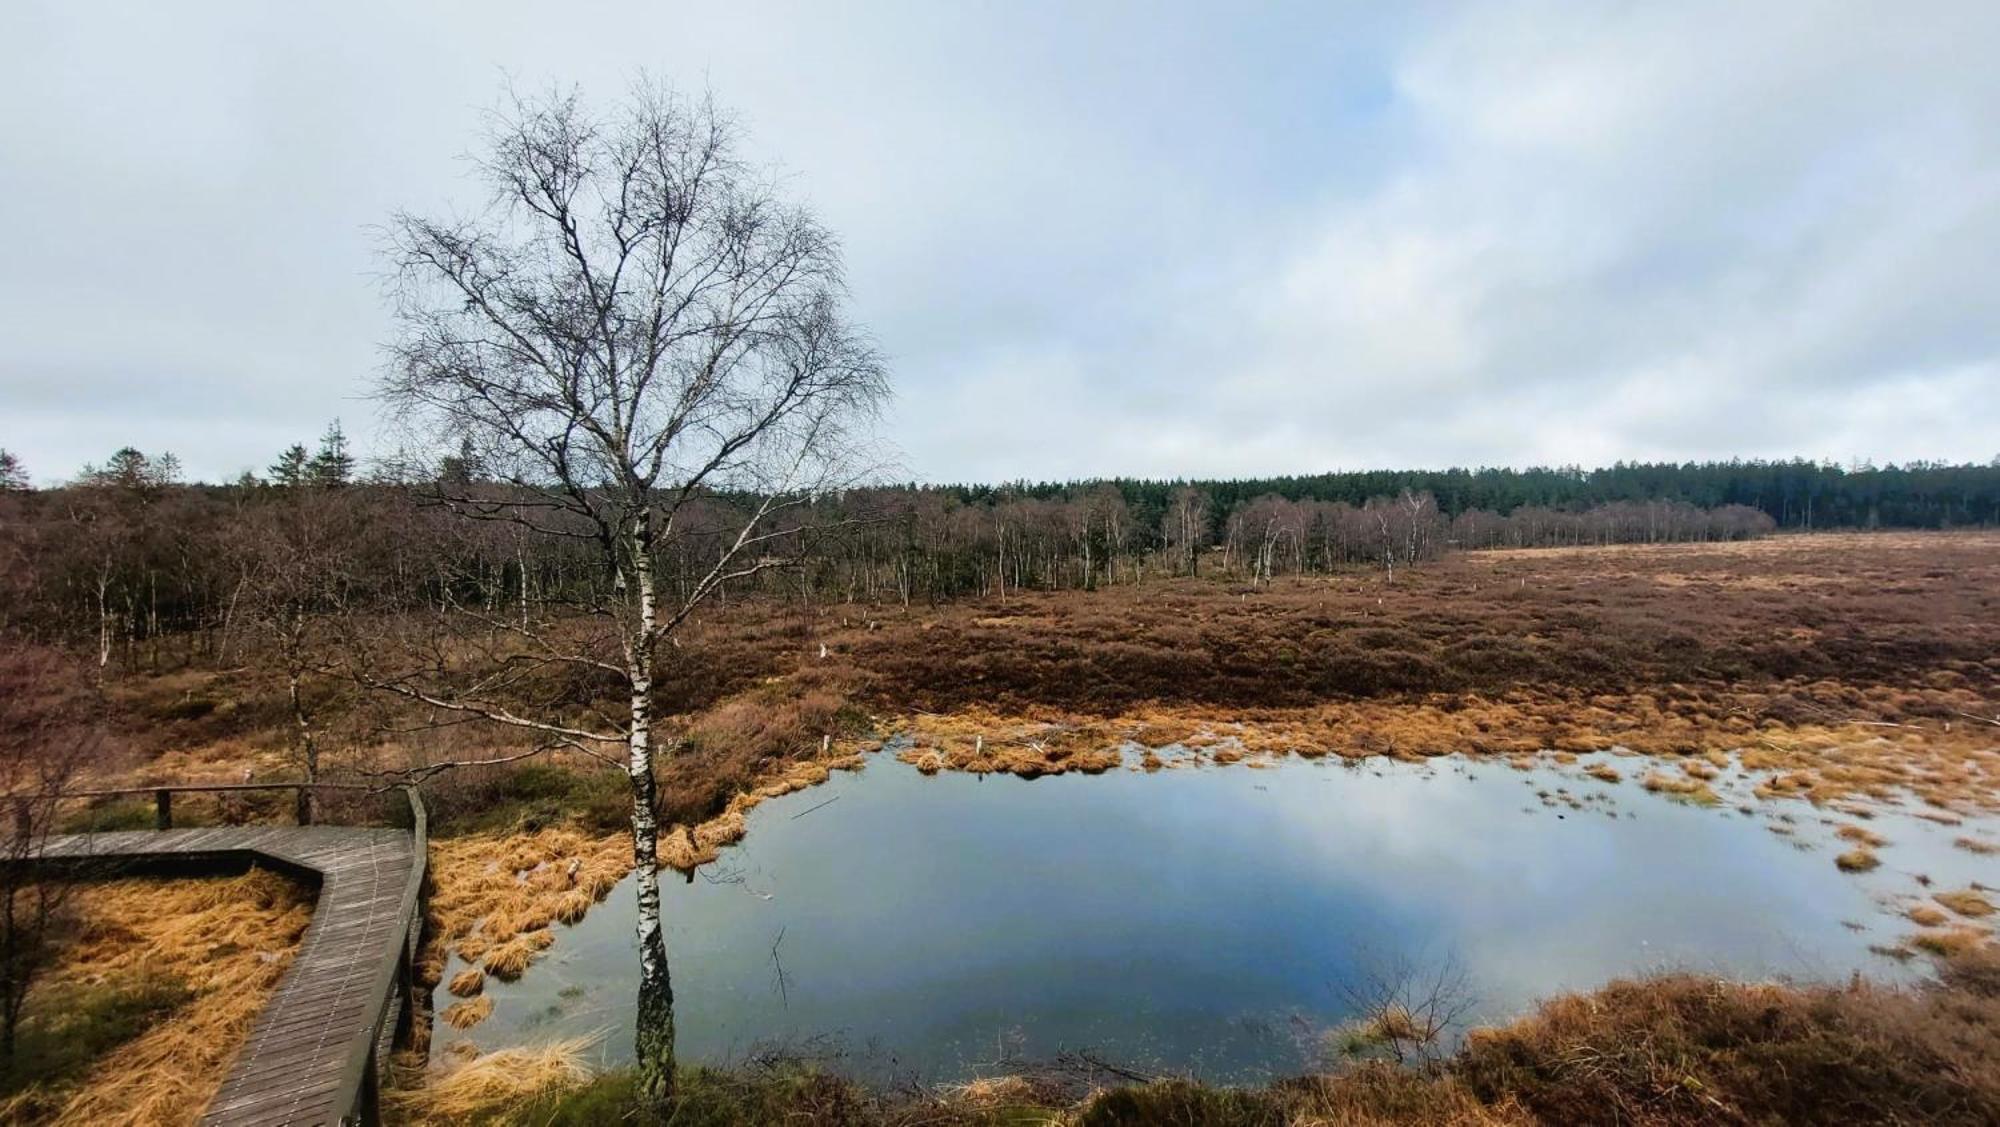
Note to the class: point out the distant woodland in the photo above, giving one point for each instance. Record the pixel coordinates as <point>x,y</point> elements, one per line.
<point>129,554</point>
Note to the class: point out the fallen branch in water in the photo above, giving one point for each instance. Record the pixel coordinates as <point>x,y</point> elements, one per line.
<point>810,809</point>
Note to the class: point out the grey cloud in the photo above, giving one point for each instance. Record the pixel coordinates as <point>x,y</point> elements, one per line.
<point>1099,241</point>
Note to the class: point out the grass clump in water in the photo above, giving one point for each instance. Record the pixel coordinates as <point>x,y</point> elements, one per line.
<point>1965,902</point>
<point>1683,787</point>
<point>1859,859</point>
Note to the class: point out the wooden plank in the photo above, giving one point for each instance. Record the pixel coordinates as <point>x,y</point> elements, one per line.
<point>299,1054</point>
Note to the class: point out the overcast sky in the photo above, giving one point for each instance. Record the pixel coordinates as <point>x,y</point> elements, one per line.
<point>1093,239</point>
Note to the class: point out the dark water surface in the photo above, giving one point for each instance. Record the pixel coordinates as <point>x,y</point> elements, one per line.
<point>1202,920</point>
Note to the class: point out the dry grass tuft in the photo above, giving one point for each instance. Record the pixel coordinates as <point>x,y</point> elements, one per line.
<point>510,960</point>
<point>1965,902</point>
<point>1683,787</point>
<point>1861,835</point>
<point>467,982</point>
<point>1925,915</point>
<point>1951,941</point>
<point>483,1089</point>
<point>1859,859</point>
<point>465,1015</point>
<point>495,896</point>
<point>229,940</point>
<point>1603,772</point>
<point>1977,845</point>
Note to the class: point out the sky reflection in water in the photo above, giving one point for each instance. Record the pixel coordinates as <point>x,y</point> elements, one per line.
<point>1197,920</point>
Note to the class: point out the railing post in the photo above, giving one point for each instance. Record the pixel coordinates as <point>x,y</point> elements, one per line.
<point>163,809</point>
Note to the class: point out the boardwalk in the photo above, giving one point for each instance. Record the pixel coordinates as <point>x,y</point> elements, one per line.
<point>321,1041</point>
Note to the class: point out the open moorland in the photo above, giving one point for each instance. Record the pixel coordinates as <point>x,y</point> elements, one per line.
<point>1836,675</point>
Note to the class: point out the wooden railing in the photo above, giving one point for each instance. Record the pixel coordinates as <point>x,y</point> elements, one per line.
<point>359,1085</point>
<point>163,796</point>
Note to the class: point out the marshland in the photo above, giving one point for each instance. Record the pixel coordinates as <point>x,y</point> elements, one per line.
<point>1011,851</point>
<point>1288,567</point>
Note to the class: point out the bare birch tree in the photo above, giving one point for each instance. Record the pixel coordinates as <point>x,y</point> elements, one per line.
<point>637,325</point>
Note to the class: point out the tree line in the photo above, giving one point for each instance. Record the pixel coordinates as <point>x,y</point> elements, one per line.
<point>128,559</point>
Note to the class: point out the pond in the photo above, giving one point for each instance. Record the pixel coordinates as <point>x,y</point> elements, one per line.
<point>1208,920</point>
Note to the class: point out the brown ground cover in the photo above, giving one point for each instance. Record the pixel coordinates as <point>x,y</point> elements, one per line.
<point>216,948</point>
<point>1839,670</point>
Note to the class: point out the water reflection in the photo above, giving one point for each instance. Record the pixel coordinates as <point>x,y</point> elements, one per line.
<point>1194,920</point>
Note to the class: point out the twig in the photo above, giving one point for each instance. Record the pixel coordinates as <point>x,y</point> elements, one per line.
<point>810,809</point>
<point>784,994</point>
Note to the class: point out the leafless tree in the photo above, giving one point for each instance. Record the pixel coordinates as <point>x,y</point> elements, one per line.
<point>48,730</point>
<point>1186,526</point>
<point>638,324</point>
<point>1403,1008</point>
<point>297,561</point>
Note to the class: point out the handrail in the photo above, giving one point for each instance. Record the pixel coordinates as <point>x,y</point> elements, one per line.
<point>197,788</point>
<point>359,1080</point>
<point>354,1076</point>
<point>163,795</point>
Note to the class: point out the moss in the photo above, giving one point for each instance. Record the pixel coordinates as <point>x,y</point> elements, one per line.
<point>1183,1103</point>
<point>66,1030</point>
<point>534,797</point>
<point>110,816</point>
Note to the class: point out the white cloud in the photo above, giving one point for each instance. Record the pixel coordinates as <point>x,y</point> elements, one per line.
<point>1138,242</point>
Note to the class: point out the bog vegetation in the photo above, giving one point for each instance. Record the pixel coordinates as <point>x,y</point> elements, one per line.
<point>656,583</point>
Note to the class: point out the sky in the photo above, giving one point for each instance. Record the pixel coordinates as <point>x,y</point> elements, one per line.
<point>1092,239</point>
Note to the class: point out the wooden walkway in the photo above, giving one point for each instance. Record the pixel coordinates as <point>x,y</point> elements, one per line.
<point>321,1042</point>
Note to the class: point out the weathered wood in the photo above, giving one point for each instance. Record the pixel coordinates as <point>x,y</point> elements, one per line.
<point>314,1052</point>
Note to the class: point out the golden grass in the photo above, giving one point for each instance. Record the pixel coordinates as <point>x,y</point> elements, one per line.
<point>1859,859</point>
<point>465,1015</point>
<point>1853,764</point>
<point>685,848</point>
<point>510,960</point>
<point>1861,835</point>
<point>1603,772</point>
<point>1683,787</point>
<point>1977,845</point>
<point>1965,902</point>
<point>228,939</point>
<point>990,1092</point>
<point>483,1089</point>
<point>467,982</point>
<point>1924,915</point>
<point>491,892</point>
<point>1951,941</point>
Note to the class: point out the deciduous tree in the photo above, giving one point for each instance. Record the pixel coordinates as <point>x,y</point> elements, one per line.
<point>637,328</point>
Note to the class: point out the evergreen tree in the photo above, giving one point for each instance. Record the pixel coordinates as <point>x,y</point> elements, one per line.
<point>292,467</point>
<point>333,466</point>
<point>13,475</point>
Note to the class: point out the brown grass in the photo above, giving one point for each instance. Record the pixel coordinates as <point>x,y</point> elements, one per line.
<point>1926,915</point>
<point>481,1089</point>
<point>1965,902</point>
<point>1861,835</point>
<point>1859,859</point>
<point>1683,1049</point>
<point>1604,772</point>
<point>1951,942</point>
<point>1977,845</point>
<point>1683,787</point>
<point>465,1015</point>
<point>229,939</point>
<point>1655,1052</point>
<point>467,983</point>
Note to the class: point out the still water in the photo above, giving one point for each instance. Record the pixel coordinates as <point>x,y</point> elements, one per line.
<point>1203,920</point>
